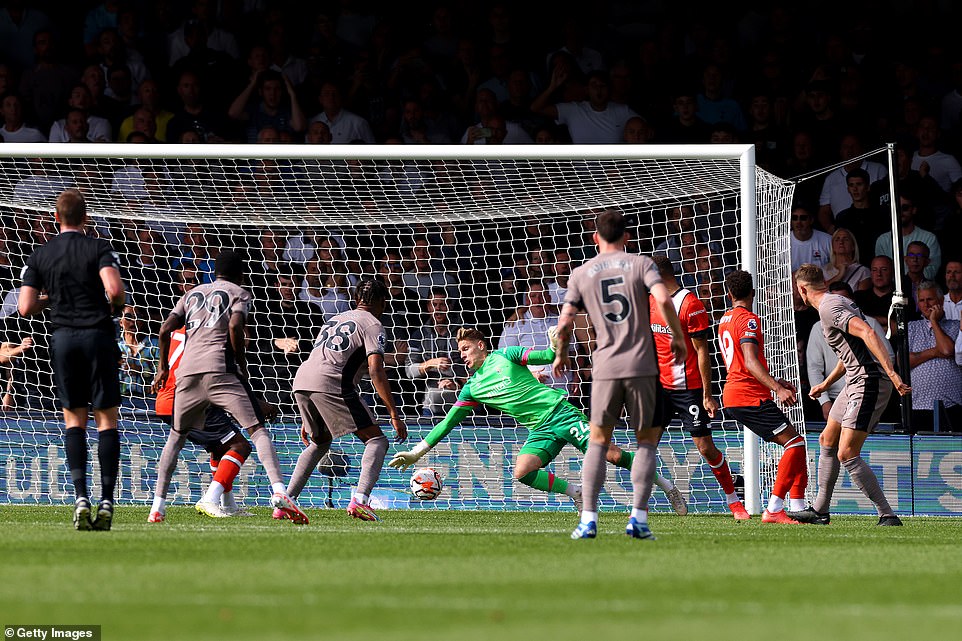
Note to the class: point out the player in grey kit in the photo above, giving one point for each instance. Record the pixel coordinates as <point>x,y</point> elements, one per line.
<point>348,347</point>
<point>213,371</point>
<point>864,361</point>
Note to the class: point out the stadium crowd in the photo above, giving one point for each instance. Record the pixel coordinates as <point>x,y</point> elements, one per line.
<point>807,91</point>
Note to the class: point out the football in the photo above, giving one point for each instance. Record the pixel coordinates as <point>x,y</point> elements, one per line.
<point>426,484</point>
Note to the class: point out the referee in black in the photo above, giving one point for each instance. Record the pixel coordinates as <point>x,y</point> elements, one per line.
<point>70,274</point>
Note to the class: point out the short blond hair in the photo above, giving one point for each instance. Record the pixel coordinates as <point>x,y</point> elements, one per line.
<point>471,334</point>
<point>810,274</point>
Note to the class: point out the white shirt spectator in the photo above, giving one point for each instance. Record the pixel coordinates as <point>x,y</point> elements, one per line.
<point>346,127</point>
<point>36,187</point>
<point>817,250</point>
<point>24,134</point>
<point>588,60</point>
<point>588,126</point>
<point>533,333</point>
<point>217,39</point>
<point>883,247</point>
<point>835,189</point>
<point>98,130</point>
<point>953,311</point>
<point>943,168</point>
<point>514,135</point>
<point>129,183</point>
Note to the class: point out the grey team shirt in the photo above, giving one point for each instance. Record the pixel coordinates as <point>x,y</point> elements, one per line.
<point>339,358</point>
<point>836,312</point>
<point>613,288</point>
<point>206,311</point>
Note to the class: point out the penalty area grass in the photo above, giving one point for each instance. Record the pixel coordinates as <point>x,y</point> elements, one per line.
<point>478,575</point>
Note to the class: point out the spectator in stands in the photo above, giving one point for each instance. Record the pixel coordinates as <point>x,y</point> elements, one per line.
<point>345,126</point>
<point>936,362</point>
<point>283,328</point>
<point>808,244</point>
<point>424,271</point>
<point>11,396</point>
<point>280,56</point>
<point>197,248</point>
<point>76,127</point>
<point>491,127</point>
<point>911,233</point>
<point>118,97</point>
<point>138,359</point>
<point>271,109</point>
<point>714,106</point>
<point>327,283</point>
<point>876,300</point>
<point>929,160</point>
<point>45,85</point>
<point>98,129</point>
<point>101,17</point>
<point>770,139</point>
<point>844,265</point>
<point>916,262</point>
<point>194,114</point>
<point>952,304</point>
<point>112,54</point>
<point>685,125</point>
<point>147,268</point>
<point>202,19</point>
<point>588,60</point>
<point>416,128</point>
<point>93,78</point>
<point>835,196</point>
<point>433,356</point>
<point>516,107</point>
<point>864,219</point>
<point>596,120</point>
<point>14,128</point>
<point>820,359</point>
<point>318,133</point>
<point>148,95</point>
<point>637,131</point>
<point>530,329</point>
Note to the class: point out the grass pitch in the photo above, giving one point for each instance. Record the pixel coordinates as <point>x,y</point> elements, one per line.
<point>472,575</point>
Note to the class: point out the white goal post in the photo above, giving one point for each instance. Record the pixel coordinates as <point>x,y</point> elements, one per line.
<point>486,233</point>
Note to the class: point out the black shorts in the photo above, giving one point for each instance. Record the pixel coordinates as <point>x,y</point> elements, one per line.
<point>686,405</point>
<point>766,419</point>
<point>86,367</point>
<point>219,429</point>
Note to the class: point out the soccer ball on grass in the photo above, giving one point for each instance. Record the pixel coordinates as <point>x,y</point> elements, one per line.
<point>426,484</point>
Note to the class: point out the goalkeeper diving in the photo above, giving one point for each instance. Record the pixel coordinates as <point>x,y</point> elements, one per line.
<point>502,380</point>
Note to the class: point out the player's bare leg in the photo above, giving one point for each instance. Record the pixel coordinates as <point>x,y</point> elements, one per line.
<point>719,468</point>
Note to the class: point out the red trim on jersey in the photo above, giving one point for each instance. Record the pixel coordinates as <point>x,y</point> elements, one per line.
<point>466,403</point>
<point>694,318</point>
<point>737,326</point>
<point>524,357</point>
<point>164,405</point>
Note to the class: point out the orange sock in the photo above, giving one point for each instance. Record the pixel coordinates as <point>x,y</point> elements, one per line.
<point>228,469</point>
<point>792,470</point>
<point>723,474</point>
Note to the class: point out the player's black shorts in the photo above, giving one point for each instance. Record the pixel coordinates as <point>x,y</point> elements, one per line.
<point>86,367</point>
<point>219,428</point>
<point>766,419</point>
<point>686,406</point>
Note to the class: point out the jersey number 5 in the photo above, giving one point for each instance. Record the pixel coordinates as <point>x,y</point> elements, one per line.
<point>609,297</point>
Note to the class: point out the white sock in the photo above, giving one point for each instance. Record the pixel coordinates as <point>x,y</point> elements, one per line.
<point>664,483</point>
<point>796,505</point>
<point>639,515</point>
<point>214,491</point>
<point>159,504</point>
<point>573,490</point>
<point>732,498</point>
<point>588,517</point>
<point>363,499</point>
<point>776,504</point>
<point>227,500</point>
<point>279,488</point>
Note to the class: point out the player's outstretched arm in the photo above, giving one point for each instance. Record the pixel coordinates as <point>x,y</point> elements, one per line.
<point>403,460</point>
<point>834,375</point>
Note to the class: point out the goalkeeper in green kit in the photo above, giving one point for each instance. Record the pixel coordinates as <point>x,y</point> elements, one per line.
<point>502,380</point>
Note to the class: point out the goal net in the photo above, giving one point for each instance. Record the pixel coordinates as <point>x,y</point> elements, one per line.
<point>463,237</point>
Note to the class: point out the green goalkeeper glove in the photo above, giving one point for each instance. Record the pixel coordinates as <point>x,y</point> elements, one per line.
<point>404,460</point>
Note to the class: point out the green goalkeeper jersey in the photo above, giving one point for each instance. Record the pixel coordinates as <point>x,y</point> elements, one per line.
<point>505,383</point>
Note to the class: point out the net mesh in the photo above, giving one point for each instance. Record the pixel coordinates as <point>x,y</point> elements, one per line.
<point>486,243</point>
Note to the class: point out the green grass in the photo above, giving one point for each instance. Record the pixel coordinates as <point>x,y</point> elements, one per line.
<point>472,575</point>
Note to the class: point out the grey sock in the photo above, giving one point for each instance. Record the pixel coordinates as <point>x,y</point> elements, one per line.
<point>828,468</point>
<point>863,476</point>
<point>267,455</point>
<point>168,462</point>
<point>642,474</point>
<point>306,464</point>
<point>593,471</point>
<point>371,462</point>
